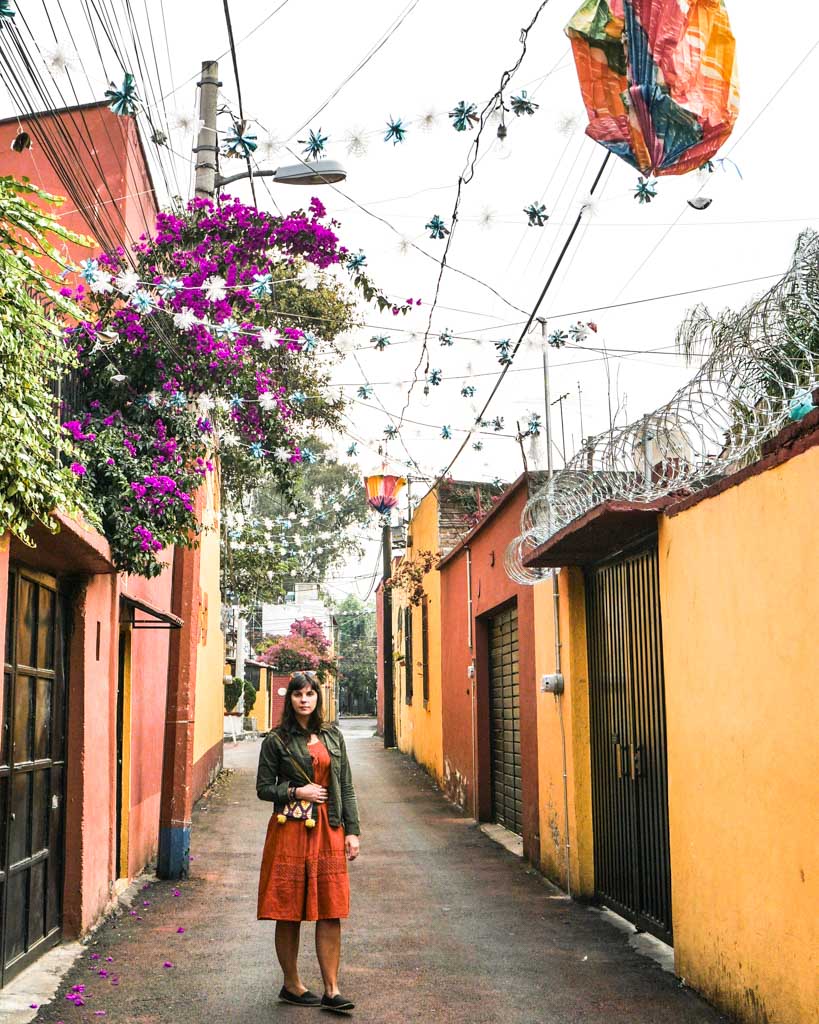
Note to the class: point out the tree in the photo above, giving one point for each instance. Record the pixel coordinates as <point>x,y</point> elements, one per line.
<point>357,654</point>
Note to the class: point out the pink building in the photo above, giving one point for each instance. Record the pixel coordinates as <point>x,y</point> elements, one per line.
<point>98,667</point>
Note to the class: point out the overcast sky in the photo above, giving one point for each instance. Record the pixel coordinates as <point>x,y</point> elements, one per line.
<point>446,52</point>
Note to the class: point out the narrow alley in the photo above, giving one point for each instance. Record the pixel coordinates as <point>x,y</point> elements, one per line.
<point>423,941</point>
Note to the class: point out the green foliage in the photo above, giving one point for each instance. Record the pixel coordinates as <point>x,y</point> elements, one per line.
<point>357,650</point>
<point>35,456</point>
<point>232,691</point>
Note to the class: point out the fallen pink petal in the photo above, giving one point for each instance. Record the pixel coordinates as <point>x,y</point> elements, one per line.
<point>180,931</point>
<point>167,964</point>
<point>176,892</point>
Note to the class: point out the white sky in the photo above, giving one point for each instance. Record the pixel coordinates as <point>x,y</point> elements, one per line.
<point>448,51</point>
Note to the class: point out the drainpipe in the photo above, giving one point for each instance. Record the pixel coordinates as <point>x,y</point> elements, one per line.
<point>471,640</point>
<point>559,699</point>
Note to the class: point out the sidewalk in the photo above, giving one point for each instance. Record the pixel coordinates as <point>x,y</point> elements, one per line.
<point>446,926</point>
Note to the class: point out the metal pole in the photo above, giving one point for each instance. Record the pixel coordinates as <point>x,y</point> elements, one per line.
<point>389,696</point>
<point>240,658</point>
<point>207,146</point>
<point>549,467</point>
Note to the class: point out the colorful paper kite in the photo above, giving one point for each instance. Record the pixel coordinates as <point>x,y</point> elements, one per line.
<point>658,78</point>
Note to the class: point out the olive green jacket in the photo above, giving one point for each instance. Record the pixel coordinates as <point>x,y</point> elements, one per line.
<point>277,771</point>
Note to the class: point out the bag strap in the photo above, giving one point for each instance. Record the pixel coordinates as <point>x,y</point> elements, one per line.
<point>298,767</point>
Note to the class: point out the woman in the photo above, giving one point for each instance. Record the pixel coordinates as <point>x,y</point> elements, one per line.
<point>304,870</point>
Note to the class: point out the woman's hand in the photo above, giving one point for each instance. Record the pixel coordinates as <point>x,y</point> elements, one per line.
<point>315,794</point>
<point>352,846</point>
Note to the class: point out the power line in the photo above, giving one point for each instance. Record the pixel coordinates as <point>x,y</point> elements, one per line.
<point>226,5</point>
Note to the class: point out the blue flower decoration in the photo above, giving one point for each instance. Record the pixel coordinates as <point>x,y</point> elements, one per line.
<point>262,285</point>
<point>240,142</point>
<point>228,328</point>
<point>237,402</point>
<point>169,286</point>
<point>533,426</point>
<point>178,400</point>
<point>446,433</point>
<point>396,131</point>
<point>356,262</point>
<point>314,144</point>
<point>390,432</point>
<point>365,391</point>
<point>6,10</point>
<point>308,456</point>
<point>310,342</point>
<point>380,341</point>
<point>256,449</point>
<point>477,446</point>
<point>464,115</point>
<point>298,398</point>
<point>445,339</point>
<point>142,301</point>
<point>123,101</point>
<point>352,450</point>
<point>467,391</point>
<point>89,269</point>
<point>437,227</point>
<point>497,424</point>
<point>557,339</point>
<point>435,377</point>
<point>523,105</point>
<point>537,215</point>
<point>645,190</point>
<point>504,349</point>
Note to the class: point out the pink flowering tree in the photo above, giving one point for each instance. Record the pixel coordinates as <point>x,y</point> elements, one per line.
<point>211,339</point>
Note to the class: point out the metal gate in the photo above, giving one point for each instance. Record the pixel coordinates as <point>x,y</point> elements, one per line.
<point>32,772</point>
<point>628,740</point>
<point>504,696</point>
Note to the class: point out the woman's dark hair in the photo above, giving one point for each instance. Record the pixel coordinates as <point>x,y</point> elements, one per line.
<point>289,723</point>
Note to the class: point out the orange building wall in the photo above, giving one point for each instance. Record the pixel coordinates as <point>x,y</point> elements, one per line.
<point>740,604</point>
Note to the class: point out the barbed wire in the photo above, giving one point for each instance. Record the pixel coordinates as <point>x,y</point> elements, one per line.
<point>762,359</point>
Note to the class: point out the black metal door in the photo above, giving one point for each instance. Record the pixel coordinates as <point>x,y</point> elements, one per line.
<point>628,740</point>
<point>32,772</point>
<point>504,697</point>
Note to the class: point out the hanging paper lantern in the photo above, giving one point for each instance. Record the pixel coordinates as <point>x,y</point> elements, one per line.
<point>437,227</point>
<point>396,131</point>
<point>464,115</point>
<point>383,491</point>
<point>537,215</point>
<point>523,105</point>
<point>123,101</point>
<point>658,79</point>
<point>21,142</point>
<point>313,144</point>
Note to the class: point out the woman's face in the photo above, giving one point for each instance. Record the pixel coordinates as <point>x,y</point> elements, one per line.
<point>304,700</point>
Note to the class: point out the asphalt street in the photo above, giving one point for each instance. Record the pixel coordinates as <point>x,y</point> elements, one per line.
<point>445,926</point>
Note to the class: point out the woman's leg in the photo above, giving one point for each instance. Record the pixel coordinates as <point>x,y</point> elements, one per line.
<point>328,951</point>
<point>287,950</point>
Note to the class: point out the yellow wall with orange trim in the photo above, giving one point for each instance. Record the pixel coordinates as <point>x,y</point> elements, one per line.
<point>419,725</point>
<point>573,706</point>
<point>739,576</point>
<point>210,665</point>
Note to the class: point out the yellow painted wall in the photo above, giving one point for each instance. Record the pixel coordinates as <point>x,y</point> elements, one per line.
<point>739,578</point>
<point>419,728</point>
<point>210,666</point>
<point>574,704</point>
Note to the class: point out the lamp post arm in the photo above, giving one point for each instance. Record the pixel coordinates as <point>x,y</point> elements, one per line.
<point>220,180</point>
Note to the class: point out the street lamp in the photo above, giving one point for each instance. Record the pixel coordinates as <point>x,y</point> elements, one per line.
<point>319,172</point>
<point>382,496</point>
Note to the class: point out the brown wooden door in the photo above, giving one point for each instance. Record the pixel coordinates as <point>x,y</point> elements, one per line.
<point>32,772</point>
<point>628,740</point>
<point>504,696</point>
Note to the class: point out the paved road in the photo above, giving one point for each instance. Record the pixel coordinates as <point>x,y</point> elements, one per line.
<point>446,926</point>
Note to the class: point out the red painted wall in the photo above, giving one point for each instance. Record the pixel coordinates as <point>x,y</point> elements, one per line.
<point>276,700</point>
<point>492,590</point>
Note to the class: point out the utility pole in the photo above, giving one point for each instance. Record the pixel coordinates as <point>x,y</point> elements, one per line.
<point>207,144</point>
<point>387,663</point>
<point>560,401</point>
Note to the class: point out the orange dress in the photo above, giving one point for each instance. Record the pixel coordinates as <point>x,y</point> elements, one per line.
<point>304,870</point>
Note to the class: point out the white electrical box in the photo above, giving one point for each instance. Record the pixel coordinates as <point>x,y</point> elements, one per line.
<point>552,683</point>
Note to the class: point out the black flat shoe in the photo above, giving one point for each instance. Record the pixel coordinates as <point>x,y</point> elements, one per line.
<point>307,998</point>
<point>336,1004</point>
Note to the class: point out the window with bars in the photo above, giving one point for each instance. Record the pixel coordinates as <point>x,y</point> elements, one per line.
<point>425,647</point>
<point>408,666</point>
